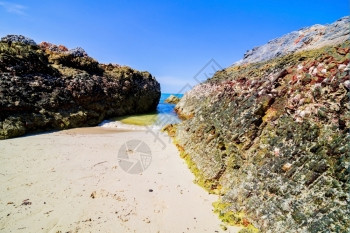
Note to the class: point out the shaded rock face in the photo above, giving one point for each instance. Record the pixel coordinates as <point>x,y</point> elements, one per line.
<point>273,139</point>
<point>51,87</point>
<point>172,99</point>
<point>307,38</point>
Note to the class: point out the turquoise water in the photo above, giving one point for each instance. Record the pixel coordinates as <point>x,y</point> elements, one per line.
<point>164,115</point>
<point>165,108</point>
<point>165,111</point>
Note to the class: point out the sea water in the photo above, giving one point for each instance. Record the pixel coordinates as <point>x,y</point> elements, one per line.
<point>165,114</point>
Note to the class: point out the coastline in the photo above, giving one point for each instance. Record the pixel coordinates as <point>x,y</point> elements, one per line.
<point>71,181</point>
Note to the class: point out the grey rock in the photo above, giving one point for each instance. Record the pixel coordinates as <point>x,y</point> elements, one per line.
<point>77,52</point>
<point>19,39</point>
<point>306,38</point>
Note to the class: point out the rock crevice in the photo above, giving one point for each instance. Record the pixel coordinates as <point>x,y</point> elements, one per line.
<point>280,129</point>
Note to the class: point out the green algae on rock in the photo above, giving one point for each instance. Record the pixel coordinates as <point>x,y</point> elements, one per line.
<point>45,87</point>
<point>146,119</point>
<point>274,137</point>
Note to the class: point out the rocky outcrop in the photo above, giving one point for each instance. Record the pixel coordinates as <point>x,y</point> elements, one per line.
<point>172,100</point>
<point>272,138</point>
<point>18,39</point>
<point>308,38</point>
<point>44,87</point>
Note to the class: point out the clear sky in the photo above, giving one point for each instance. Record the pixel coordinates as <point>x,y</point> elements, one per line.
<point>172,40</point>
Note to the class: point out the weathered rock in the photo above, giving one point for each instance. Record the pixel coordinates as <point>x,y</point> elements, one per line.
<point>53,47</point>
<point>77,52</point>
<point>313,37</point>
<point>74,58</point>
<point>48,87</point>
<point>273,139</point>
<point>172,99</point>
<point>19,39</point>
<point>22,59</point>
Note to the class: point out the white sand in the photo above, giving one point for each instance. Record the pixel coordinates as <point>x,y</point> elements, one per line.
<point>46,182</point>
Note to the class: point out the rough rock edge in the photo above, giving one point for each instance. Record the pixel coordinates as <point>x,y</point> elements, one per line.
<point>47,87</point>
<point>188,109</point>
<point>307,38</point>
<point>19,39</point>
<point>172,100</point>
<point>192,128</point>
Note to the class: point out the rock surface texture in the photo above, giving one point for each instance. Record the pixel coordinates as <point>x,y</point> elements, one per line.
<point>44,87</point>
<point>307,38</point>
<point>172,99</point>
<point>272,135</point>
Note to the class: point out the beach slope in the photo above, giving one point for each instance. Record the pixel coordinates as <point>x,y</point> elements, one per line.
<point>71,181</point>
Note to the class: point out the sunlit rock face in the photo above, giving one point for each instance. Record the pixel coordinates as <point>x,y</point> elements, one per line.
<point>45,87</point>
<point>308,38</point>
<point>271,134</point>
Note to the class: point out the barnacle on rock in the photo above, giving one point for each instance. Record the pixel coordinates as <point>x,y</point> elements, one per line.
<point>284,124</point>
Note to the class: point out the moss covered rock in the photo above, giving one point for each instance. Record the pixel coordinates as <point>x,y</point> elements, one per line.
<point>50,87</point>
<point>272,138</point>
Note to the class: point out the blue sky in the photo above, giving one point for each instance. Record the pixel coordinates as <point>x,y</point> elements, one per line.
<point>171,39</point>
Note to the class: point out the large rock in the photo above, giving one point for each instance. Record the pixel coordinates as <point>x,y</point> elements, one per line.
<point>51,87</point>
<point>307,38</point>
<point>273,139</point>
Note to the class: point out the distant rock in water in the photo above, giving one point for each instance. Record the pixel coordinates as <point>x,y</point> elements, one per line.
<point>172,100</point>
<point>308,38</point>
<point>45,87</point>
<point>273,137</point>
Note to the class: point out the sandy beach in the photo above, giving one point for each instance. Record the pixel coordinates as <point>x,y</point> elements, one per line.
<point>71,181</point>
